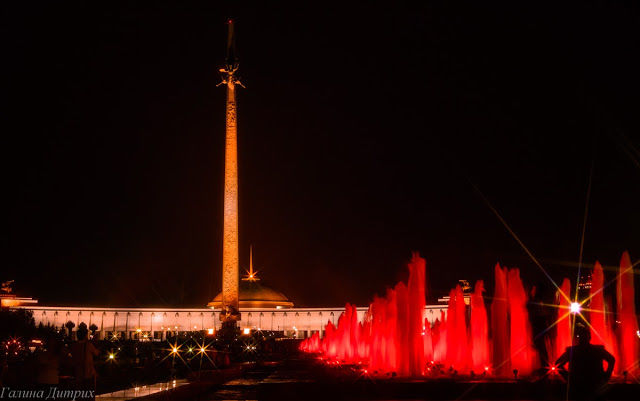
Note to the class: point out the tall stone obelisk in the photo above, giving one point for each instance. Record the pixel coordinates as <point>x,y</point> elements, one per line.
<point>230,265</point>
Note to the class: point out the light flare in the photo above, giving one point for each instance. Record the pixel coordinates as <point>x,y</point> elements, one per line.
<point>519,241</point>
<point>575,307</point>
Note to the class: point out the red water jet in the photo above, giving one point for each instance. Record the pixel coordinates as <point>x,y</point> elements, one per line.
<point>500,324</point>
<point>563,319</point>
<point>479,330</point>
<point>523,355</point>
<point>457,336</point>
<point>417,282</point>
<point>629,343</point>
<point>395,336</point>
<point>600,315</point>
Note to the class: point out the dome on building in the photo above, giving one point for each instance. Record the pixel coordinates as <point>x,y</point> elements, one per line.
<point>255,295</point>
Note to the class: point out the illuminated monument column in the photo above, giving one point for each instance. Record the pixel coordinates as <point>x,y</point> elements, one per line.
<point>230,269</point>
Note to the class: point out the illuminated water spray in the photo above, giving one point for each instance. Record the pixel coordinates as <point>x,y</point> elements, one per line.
<point>394,339</point>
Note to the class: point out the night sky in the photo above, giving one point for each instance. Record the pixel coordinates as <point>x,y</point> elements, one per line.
<point>362,134</point>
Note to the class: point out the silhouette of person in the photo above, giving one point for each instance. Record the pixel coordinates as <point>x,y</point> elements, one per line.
<point>48,363</point>
<point>587,378</point>
<point>82,353</point>
<point>4,369</point>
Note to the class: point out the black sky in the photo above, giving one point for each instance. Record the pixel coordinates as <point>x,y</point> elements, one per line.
<point>363,130</point>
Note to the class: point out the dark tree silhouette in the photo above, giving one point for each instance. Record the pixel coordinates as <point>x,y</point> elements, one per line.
<point>69,325</point>
<point>16,323</point>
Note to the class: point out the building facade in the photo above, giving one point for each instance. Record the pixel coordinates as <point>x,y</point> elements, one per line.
<point>159,323</point>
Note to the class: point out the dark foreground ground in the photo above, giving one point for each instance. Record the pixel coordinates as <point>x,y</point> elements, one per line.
<point>305,379</point>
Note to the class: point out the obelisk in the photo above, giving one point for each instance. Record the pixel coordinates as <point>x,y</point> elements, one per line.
<point>230,265</point>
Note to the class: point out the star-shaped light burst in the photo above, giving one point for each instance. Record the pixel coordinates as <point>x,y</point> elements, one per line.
<point>250,346</point>
<point>552,371</point>
<point>251,274</point>
<point>575,307</point>
<point>200,351</point>
<point>112,356</point>
<point>174,351</point>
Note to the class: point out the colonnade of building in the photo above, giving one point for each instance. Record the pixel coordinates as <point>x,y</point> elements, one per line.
<point>159,323</point>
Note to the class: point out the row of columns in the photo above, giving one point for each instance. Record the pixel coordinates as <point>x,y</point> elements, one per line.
<point>152,322</point>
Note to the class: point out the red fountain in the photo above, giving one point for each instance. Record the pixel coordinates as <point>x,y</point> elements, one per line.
<point>479,331</point>
<point>599,314</point>
<point>563,319</point>
<point>438,334</point>
<point>628,328</point>
<point>523,356</point>
<point>395,338</point>
<point>457,336</point>
<point>416,321</point>
<point>499,325</point>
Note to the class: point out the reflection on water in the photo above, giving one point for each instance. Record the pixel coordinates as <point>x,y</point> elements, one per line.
<point>141,391</point>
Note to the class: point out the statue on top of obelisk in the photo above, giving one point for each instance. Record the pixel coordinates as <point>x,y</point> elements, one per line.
<point>230,266</point>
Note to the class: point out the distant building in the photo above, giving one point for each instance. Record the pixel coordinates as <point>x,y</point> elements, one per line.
<point>158,323</point>
<point>261,308</point>
<point>466,291</point>
<point>10,300</point>
<point>585,282</point>
<point>249,304</point>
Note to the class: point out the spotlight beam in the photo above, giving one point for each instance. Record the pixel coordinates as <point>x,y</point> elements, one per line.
<point>524,247</point>
<point>584,225</point>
